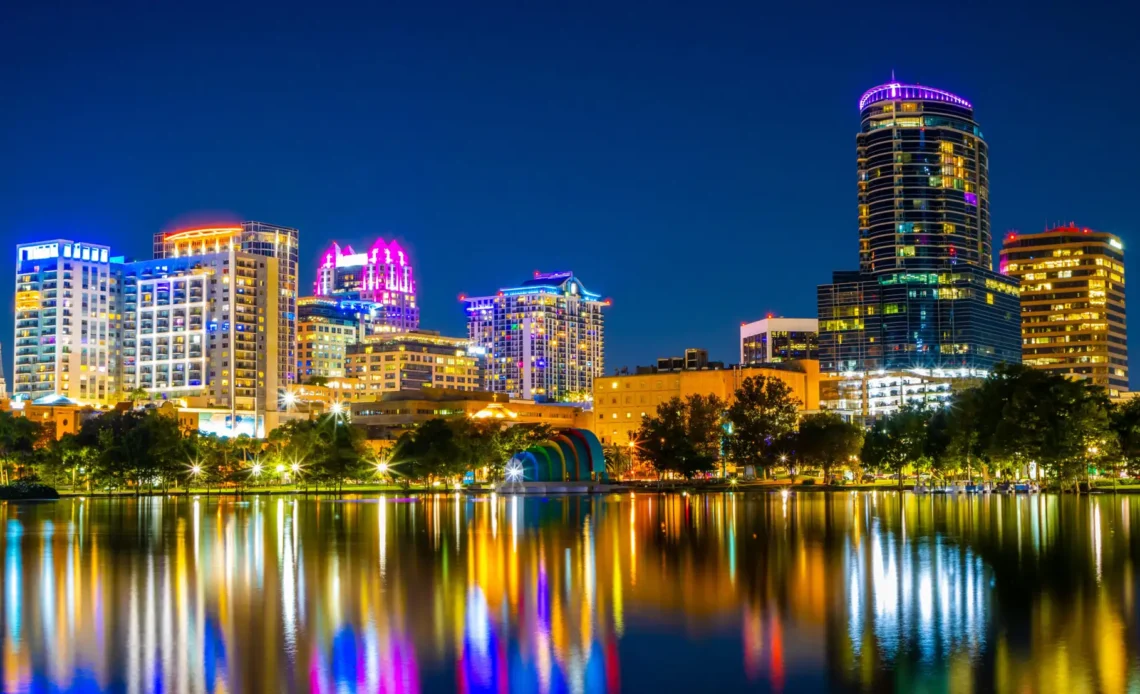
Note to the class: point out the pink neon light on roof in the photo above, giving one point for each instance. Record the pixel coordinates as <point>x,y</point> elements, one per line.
<point>897,90</point>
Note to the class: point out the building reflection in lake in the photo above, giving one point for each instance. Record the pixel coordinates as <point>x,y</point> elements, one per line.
<point>865,591</point>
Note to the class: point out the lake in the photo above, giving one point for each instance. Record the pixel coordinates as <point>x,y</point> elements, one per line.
<point>848,591</point>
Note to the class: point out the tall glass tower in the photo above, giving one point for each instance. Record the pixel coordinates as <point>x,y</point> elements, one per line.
<point>923,181</point>
<point>925,295</point>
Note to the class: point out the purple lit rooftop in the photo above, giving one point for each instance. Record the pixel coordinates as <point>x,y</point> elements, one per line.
<point>896,90</point>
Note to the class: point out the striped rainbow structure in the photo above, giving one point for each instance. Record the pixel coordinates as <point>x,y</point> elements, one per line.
<point>574,455</point>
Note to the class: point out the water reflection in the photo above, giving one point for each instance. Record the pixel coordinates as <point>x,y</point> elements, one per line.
<point>859,591</point>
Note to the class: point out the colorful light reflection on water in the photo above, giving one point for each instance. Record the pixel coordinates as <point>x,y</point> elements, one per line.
<point>859,591</point>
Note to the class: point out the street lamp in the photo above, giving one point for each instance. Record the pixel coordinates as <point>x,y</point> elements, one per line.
<point>289,399</point>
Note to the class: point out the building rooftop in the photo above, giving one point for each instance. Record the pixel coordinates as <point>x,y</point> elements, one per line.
<point>896,90</point>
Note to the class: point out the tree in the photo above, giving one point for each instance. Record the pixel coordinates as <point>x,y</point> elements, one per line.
<point>1125,424</point>
<point>18,437</point>
<point>683,436</point>
<point>897,440</point>
<point>65,460</point>
<point>430,451</point>
<point>827,440</point>
<point>136,447</point>
<point>764,411</point>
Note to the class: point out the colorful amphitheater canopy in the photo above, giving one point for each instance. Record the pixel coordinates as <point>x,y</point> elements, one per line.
<point>574,455</point>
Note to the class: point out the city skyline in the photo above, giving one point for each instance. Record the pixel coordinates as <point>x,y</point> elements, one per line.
<point>703,169</point>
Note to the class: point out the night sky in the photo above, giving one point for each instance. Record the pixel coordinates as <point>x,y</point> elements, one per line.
<point>695,163</point>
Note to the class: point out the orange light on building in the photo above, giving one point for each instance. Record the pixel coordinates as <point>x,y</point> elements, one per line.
<point>204,232</point>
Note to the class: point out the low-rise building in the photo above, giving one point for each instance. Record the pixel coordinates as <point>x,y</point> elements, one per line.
<point>621,400</point>
<point>862,397</point>
<point>396,412</point>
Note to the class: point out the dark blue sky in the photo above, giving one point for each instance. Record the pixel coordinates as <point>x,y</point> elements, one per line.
<point>695,162</point>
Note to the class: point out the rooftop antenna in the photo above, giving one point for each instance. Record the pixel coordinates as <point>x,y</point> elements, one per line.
<point>892,74</point>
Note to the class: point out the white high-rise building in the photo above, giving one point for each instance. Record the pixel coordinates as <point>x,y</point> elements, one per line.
<point>544,339</point>
<point>3,383</point>
<point>204,329</point>
<point>257,238</point>
<point>66,321</point>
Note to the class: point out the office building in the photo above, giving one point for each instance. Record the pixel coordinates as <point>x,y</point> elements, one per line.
<point>543,339</point>
<point>1072,303</point>
<point>861,397</point>
<point>925,295</point>
<point>203,329</point>
<point>773,340</point>
<point>693,359</point>
<point>325,328</point>
<point>377,284</point>
<point>621,400</point>
<point>413,360</point>
<point>65,323</point>
<point>256,238</point>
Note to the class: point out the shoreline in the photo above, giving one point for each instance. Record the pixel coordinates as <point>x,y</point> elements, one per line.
<point>619,488</point>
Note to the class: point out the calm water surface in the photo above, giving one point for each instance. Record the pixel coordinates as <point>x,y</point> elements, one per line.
<point>724,592</point>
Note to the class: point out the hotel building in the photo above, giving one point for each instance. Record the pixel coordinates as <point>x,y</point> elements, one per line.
<point>256,238</point>
<point>65,323</point>
<point>378,285</point>
<point>925,295</point>
<point>773,340</point>
<point>204,329</point>
<point>1072,303</point>
<point>413,360</point>
<point>543,339</point>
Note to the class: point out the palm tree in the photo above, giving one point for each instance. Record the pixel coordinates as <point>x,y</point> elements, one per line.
<point>618,461</point>
<point>137,394</point>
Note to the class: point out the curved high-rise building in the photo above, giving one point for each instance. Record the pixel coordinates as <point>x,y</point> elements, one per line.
<point>923,181</point>
<point>925,296</point>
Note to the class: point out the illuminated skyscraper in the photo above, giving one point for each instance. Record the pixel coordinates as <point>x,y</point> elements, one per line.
<point>1072,303</point>
<point>925,295</point>
<point>256,238</point>
<point>378,284</point>
<point>65,322</point>
<point>544,339</point>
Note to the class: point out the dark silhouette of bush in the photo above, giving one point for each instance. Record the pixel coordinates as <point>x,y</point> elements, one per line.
<point>21,490</point>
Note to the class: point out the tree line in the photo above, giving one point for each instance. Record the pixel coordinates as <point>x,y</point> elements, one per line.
<point>145,450</point>
<point>1015,418</point>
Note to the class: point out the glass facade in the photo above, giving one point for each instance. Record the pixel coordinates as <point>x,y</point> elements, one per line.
<point>964,318</point>
<point>774,340</point>
<point>924,295</point>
